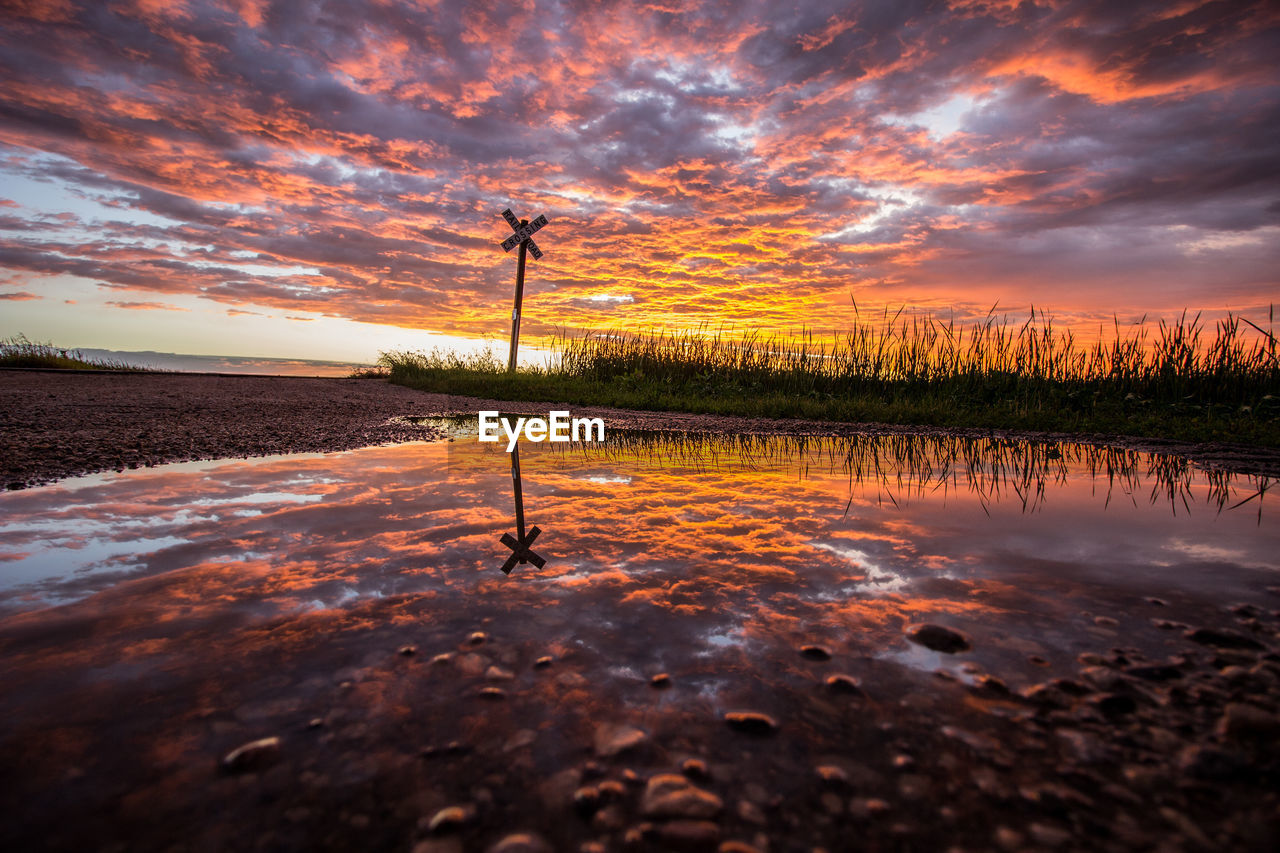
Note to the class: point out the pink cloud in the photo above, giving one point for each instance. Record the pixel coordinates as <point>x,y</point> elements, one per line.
<point>146,306</point>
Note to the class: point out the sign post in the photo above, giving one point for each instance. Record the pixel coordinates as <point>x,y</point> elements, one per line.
<point>524,239</point>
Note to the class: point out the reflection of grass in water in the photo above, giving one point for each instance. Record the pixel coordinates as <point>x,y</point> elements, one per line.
<point>20,352</point>
<point>1173,380</point>
<point>911,466</point>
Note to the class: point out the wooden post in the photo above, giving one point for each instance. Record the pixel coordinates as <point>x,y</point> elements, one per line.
<point>524,231</point>
<point>515,482</point>
<point>515,312</point>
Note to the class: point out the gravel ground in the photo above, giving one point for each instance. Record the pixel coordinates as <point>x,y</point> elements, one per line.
<point>56,424</point>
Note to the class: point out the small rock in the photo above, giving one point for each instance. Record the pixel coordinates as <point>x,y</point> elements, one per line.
<point>689,834</point>
<point>450,818</point>
<point>407,651</point>
<point>695,768</point>
<point>477,637</point>
<point>751,813</point>
<point>939,638</point>
<point>252,755</point>
<point>519,740</point>
<point>669,795</point>
<point>586,799</point>
<point>497,673</point>
<point>442,658</point>
<point>992,684</point>
<point>662,679</point>
<point>1207,762</point>
<point>1071,687</point>
<point>636,835</point>
<point>1008,839</point>
<point>751,722</point>
<point>521,842</point>
<point>737,847</point>
<point>1155,672</point>
<point>493,693</point>
<point>1244,722</point>
<point>1105,621</point>
<point>841,683</point>
<point>864,808</point>
<point>814,652</point>
<point>1049,836</point>
<point>609,819</point>
<point>1047,695</point>
<point>543,662</point>
<point>831,774</point>
<point>611,740</point>
<point>1103,677</point>
<point>612,790</point>
<point>1222,639</point>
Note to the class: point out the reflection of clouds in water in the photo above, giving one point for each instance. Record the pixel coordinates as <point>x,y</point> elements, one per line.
<point>1219,554</point>
<point>720,639</point>
<point>927,660</point>
<point>706,549</point>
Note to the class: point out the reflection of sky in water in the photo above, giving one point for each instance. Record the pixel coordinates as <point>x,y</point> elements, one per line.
<point>715,543</point>
<point>152,619</point>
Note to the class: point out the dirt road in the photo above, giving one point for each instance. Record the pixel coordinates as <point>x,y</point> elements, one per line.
<point>56,424</point>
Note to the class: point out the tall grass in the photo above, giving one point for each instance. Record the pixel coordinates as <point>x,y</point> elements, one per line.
<point>1173,362</point>
<point>17,351</point>
<point>1180,379</point>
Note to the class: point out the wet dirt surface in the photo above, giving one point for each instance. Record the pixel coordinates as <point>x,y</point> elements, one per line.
<point>57,424</point>
<point>881,643</point>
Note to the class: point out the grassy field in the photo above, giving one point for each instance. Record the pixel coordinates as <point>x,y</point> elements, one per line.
<point>1171,380</point>
<point>17,351</point>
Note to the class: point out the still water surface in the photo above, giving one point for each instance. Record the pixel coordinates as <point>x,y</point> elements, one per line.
<point>151,621</point>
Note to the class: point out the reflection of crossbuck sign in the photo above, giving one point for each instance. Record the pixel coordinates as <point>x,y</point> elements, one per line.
<point>523,232</point>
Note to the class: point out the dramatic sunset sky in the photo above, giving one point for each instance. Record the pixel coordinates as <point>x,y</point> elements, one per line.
<point>324,178</point>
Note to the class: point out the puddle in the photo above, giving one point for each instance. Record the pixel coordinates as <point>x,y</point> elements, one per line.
<point>152,621</point>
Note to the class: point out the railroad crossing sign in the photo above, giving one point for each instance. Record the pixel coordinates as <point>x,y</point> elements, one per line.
<point>524,231</point>
<point>524,239</point>
<point>522,554</point>
<point>520,544</point>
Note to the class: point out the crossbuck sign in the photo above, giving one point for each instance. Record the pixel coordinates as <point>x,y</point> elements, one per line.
<point>523,237</point>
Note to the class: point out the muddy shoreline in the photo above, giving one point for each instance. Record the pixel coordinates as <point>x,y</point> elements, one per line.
<point>56,424</point>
